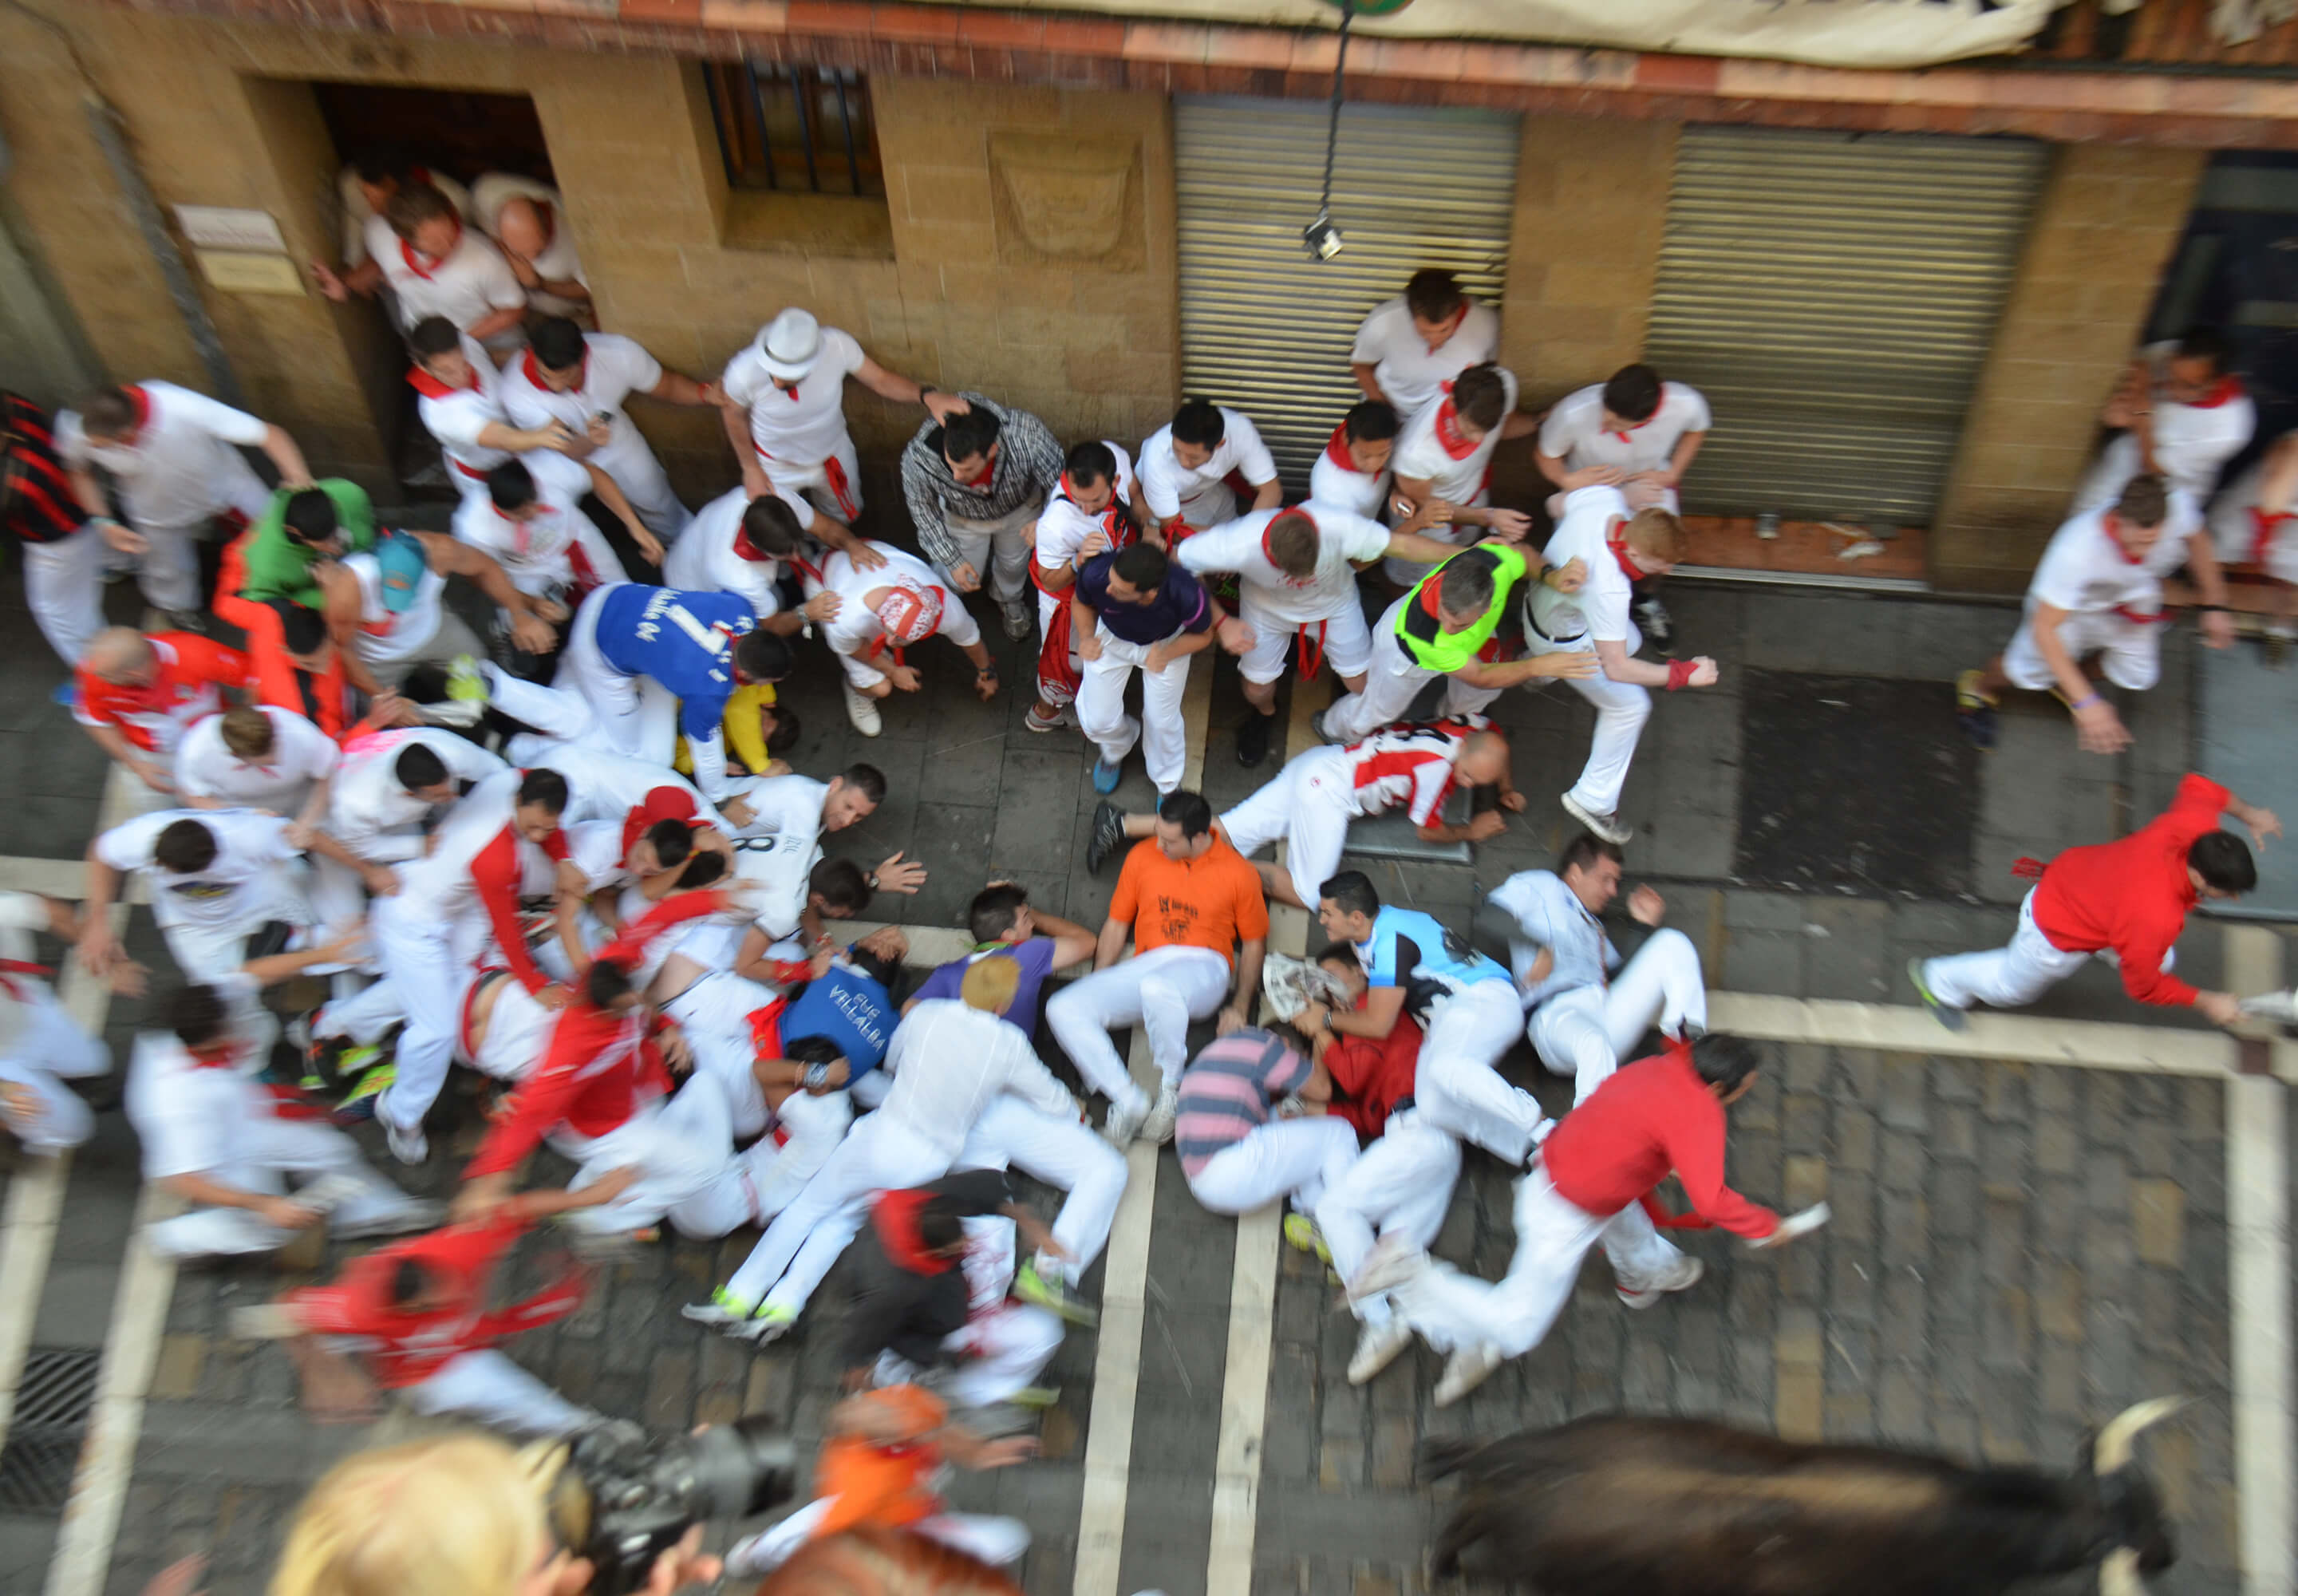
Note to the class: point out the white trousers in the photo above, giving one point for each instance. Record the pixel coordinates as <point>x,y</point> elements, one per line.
<point>1345,640</point>
<point>1163,737</point>
<point>997,1542</point>
<point>999,1353</point>
<point>1063,1152</point>
<point>2130,652</point>
<point>559,715</point>
<point>1457,1083</point>
<point>1402,1183</point>
<point>2008,977</point>
<point>1161,991</point>
<point>1584,1032</point>
<point>428,964</point>
<point>714,1014</point>
<point>1451,1310</point>
<point>1392,681</point>
<point>272,1150</point>
<point>640,474</point>
<point>1622,708</point>
<point>998,551</point>
<point>1308,806</point>
<point>486,1387</point>
<point>1297,1159</point>
<point>805,1238</point>
<point>684,1152</point>
<point>636,714</point>
<point>64,585</point>
<point>49,1049</point>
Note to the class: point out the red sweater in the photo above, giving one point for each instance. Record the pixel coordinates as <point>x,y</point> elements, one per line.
<point>2133,895</point>
<point>1371,1077</point>
<point>1651,1117</point>
<point>602,1065</point>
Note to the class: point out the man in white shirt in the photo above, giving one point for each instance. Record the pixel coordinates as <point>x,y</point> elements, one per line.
<point>785,412</point>
<point>171,454</point>
<point>1613,548</point>
<point>389,784</point>
<point>1187,466</point>
<point>366,185</point>
<point>1442,463</point>
<point>950,1059</point>
<point>385,607</point>
<point>258,758</point>
<point>1352,472</point>
<point>435,266</point>
<point>2184,414</point>
<point>2097,595</point>
<point>584,381</point>
<point>1097,507</point>
<point>1410,346</point>
<point>527,525</point>
<point>527,220</point>
<point>216,1137</point>
<point>1589,1011</point>
<point>1296,571</point>
<point>885,609</point>
<point>737,544</point>
<point>41,1045</point>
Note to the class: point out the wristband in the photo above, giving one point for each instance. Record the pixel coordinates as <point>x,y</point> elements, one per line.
<point>815,1075</point>
<point>1679,673</point>
<point>2085,703</point>
<point>872,881</point>
<point>924,389</point>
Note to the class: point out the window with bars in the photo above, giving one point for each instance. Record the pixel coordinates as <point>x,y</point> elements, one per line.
<point>795,129</point>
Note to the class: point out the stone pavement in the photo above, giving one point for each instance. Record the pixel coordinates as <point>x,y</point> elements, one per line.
<point>2018,1251</point>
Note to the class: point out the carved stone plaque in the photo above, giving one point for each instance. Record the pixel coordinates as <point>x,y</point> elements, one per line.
<point>1068,199</point>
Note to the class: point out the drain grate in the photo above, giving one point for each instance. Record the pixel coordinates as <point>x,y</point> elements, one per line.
<point>54,1402</point>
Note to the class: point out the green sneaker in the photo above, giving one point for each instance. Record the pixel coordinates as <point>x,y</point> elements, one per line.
<point>723,1308</point>
<point>1301,1232</point>
<point>1037,1399</point>
<point>1946,1015</point>
<point>357,1105</point>
<point>465,683</point>
<point>1052,1295</point>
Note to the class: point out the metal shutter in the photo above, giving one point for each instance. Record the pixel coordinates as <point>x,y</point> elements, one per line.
<point>1833,294</point>
<point>1268,330</point>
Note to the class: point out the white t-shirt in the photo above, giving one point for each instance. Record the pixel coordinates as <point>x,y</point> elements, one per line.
<point>1267,592</point>
<point>455,417</point>
<point>1599,611</point>
<point>949,1062</point>
<point>1548,915</point>
<point>231,891</point>
<point>557,264</point>
<point>538,554</point>
<point>384,634</point>
<point>703,560</point>
<point>1457,472</point>
<point>470,283</point>
<point>1574,431</point>
<point>2085,572</point>
<point>802,426</point>
<point>1409,373</point>
<point>855,627</point>
<point>1165,481</point>
<point>2192,443</point>
<point>780,846</point>
<point>613,368</point>
<point>1334,479</point>
<point>1062,528</point>
<point>300,756</point>
<point>181,467</point>
<point>193,1119</point>
<point>357,213</point>
<point>371,814</point>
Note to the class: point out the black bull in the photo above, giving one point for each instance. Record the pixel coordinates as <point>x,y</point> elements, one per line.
<point>1615,1506</point>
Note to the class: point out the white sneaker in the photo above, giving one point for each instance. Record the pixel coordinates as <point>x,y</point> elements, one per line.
<point>407,1146</point>
<point>1158,1127</point>
<point>1377,1348</point>
<point>1020,615</point>
<point>1607,826</point>
<point>403,1221</point>
<point>862,710</point>
<point>1392,1261</point>
<point>1469,1369</point>
<point>1121,1124</point>
<point>1681,1275</point>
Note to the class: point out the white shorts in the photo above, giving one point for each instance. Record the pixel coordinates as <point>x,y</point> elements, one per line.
<point>2131,652</point>
<point>1345,639</point>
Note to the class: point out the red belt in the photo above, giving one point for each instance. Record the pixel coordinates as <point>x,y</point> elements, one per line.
<point>2129,614</point>
<point>834,475</point>
<point>468,471</point>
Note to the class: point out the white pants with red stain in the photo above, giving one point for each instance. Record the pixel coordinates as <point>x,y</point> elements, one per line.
<point>1294,1160</point>
<point>997,1542</point>
<point>1063,1152</point>
<point>489,1388</point>
<point>2012,976</point>
<point>998,1354</point>
<point>274,1150</point>
<point>1451,1310</point>
<point>1402,1183</point>
<point>1160,991</point>
<point>1582,1032</point>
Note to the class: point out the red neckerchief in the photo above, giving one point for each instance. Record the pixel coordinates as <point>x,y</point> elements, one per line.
<point>431,387</point>
<point>981,484</point>
<point>2229,389</point>
<point>215,1056</point>
<point>141,403</point>
<point>1428,604</point>
<point>1336,449</point>
<point>534,369</point>
<point>1269,554</point>
<point>12,968</point>
<point>414,257</point>
<point>1639,426</point>
<point>790,392</point>
<point>2106,526</point>
<point>522,537</point>
<point>1619,547</point>
<point>895,1218</point>
<point>1454,442</point>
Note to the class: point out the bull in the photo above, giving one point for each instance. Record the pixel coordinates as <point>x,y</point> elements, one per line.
<point>1610,1505</point>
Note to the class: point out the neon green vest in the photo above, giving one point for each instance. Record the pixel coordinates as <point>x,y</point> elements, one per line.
<point>1448,651</point>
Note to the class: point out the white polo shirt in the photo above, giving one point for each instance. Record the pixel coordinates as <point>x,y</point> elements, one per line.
<point>2193,442</point>
<point>231,891</point>
<point>180,468</point>
<point>538,555</point>
<point>1334,479</point>
<point>802,426</point>
<point>613,368</point>
<point>376,817</point>
<point>558,262</point>
<point>1409,373</point>
<point>2085,572</point>
<point>1062,528</point>
<point>1267,593</point>
<point>469,284</point>
<point>302,754</point>
<point>703,560</point>
<point>1165,481</point>
<point>1429,449</point>
<point>1548,915</point>
<point>1574,431</point>
<point>1599,612</point>
<point>357,213</point>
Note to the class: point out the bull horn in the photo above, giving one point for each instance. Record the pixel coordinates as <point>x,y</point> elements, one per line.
<point>2113,1447</point>
<point>2118,1576</point>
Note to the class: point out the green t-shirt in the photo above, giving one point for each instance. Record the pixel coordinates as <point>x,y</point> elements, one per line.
<point>276,568</point>
<point>1422,635</point>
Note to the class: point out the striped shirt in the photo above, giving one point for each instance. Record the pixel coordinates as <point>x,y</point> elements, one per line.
<point>1227,1090</point>
<point>1411,764</point>
<point>37,502</point>
<point>1029,465</point>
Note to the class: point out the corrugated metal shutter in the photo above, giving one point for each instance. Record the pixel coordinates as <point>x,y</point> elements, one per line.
<point>1833,295</point>
<point>1265,328</point>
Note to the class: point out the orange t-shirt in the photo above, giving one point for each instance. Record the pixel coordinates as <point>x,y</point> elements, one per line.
<point>1213,900</point>
<point>887,1483</point>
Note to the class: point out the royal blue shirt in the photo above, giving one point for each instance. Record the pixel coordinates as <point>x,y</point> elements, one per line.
<point>1180,605</point>
<point>848,1007</point>
<point>683,640</point>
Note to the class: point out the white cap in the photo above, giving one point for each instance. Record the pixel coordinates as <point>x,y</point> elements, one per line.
<point>790,343</point>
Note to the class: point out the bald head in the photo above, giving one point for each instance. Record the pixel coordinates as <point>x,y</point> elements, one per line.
<point>523,227</point>
<point>1483,760</point>
<point>120,655</point>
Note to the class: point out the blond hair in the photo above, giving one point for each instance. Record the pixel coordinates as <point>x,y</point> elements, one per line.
<point>1658,533</point>
<point>990,984</point>
<point>457,1516</point>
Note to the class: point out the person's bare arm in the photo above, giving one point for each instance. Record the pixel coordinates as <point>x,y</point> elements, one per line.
<point>1686,448</point>
<point>737,420</point>
<point>1382,1005</point>
<point>2210,589</point>
<point>451,556</point>
<point>340,606</point>
<point>2262,821</point>
<point>678,388</point>
<point>98,947</point>
<point>518,439</point>
<point>1518,424</point>
<point>88,492</point>
<point>1515,672</point>
<point>1367,383</point>
<point>1162,655</point>
<point>1239,1008</point>
<point>274,968</point>
<point>283,1212</point>
<point>610,494</point>
<point>1111,943</point>
<point>1552,466</point>
<point>902,390</point>
<point>2098,729</point>
<point>1085,627</point>
<point>114,742</point>
<point>1420,551</point>
<point>496,321</point>
<point>1620,665</point>
<point>283,452</point>
<point>1267,495</point>
<point>1073,942</point>
<point>380,879</point>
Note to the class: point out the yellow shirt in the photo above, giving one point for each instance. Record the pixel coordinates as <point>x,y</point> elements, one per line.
<point>745,731</point>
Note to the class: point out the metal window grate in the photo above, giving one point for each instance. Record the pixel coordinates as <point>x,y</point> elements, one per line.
<point>796,129</point>
<point>54,1402</point>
